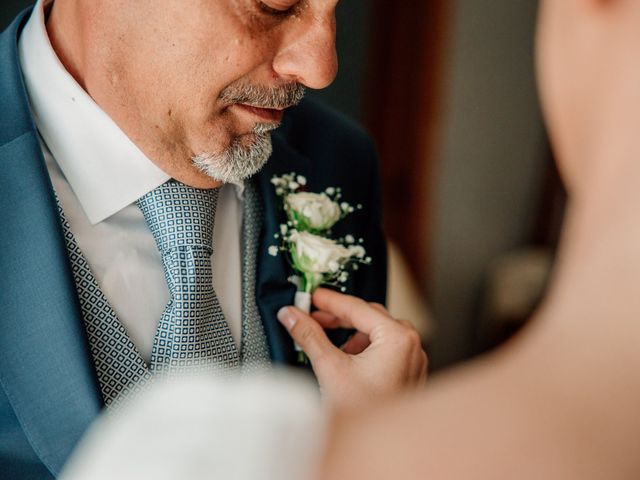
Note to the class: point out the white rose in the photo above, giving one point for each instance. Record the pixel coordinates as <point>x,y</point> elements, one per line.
<point>317,255</point>
<point>312,211</point>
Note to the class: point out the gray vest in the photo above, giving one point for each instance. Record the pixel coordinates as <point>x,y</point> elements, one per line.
<point>119,366</point>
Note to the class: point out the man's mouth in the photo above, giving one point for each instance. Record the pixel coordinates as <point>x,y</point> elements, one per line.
<point>271,115</point>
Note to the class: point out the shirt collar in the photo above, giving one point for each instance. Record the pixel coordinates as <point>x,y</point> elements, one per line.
<point>104,168</point>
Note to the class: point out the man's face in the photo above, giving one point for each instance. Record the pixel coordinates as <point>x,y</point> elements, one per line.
<point>208,79</point>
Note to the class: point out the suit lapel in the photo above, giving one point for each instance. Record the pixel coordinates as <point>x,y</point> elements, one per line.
<point>273,290</point>
<point>45,366</point>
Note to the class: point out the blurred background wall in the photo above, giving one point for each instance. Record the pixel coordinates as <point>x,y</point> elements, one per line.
<point>488,164</point>
<point>446,87</point>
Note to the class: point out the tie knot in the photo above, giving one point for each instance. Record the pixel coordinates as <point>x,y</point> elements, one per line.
<point>180,215</point>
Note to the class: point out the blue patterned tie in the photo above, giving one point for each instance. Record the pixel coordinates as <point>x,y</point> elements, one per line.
<point>193,333</point>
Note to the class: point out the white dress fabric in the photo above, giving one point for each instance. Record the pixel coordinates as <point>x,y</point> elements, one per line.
<point>247,428</point>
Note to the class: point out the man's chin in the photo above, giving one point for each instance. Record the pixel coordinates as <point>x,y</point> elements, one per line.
<point>247,140</point>
<point>245,157</point>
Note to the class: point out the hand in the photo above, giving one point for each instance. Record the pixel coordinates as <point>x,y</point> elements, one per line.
<point>384,357</point>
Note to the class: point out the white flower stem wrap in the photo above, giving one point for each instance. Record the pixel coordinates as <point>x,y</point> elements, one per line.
<point>302,300</point>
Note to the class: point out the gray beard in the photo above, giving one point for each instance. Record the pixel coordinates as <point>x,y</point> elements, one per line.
<point>238,162</point>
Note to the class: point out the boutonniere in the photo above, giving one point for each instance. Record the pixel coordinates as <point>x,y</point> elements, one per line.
<point>305,238</point>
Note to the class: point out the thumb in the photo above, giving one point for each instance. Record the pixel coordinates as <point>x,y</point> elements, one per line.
<point>307,333</point>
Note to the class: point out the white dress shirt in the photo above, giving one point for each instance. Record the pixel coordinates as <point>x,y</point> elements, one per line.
<point>98,173</point>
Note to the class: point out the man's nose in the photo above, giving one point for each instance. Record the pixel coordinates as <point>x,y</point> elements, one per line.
<point>308,56</point>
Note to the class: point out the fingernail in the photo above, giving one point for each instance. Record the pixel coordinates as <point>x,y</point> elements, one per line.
<point>287,316</point>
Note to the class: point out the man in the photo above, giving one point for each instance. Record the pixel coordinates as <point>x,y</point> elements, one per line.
<point>125,128</point>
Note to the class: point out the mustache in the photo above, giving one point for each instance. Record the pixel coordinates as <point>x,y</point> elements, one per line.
<point>278,97</point>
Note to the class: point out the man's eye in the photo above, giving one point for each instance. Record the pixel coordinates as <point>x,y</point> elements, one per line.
<point>275,12</point>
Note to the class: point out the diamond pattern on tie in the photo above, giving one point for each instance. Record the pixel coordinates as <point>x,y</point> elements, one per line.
<point>192,334</point>
<point>119,367</point>
<point>254,350</point>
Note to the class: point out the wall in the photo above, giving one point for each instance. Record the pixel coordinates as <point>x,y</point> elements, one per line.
<point>489,164</point>
<point>347,93</point>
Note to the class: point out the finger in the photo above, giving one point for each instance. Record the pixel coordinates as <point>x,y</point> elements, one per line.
<point>351,311</point>
<point>381,308</point>
<point>406,323</point>
<point>425,367</point>
<point>326,319</point>
<point>419,378</point>
<point>307,333</point>
<point>356,344</point>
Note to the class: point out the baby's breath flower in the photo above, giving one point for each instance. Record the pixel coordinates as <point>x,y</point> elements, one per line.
<point>357,251</point>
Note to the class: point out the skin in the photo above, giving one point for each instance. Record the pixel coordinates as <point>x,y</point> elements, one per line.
<point>160,79</point>
<point>560,400</point>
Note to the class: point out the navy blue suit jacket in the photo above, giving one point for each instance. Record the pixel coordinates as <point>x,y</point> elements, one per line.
<point>48,388</point>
